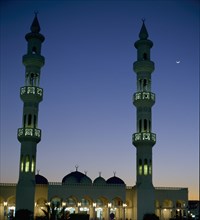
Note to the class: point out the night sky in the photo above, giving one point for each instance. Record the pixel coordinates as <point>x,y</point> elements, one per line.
<point>87,116</point>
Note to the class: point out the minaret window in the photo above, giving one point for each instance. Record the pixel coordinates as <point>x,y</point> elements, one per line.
<point>33,164</point>
<point>29,119</point>
<point>145,167</point>
<point>145,124</point>
<point>27,164</point>
<point>22,163</point>
<point>145,84</point>
<point>150,167</point>
<point>140,167</point>
<point>144,56</point>
<point>34,50</point>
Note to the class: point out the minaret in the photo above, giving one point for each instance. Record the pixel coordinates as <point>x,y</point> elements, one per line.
<point>29,135</point>
<point>144,139</point>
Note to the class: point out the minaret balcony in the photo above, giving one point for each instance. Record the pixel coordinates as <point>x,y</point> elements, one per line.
<point>144,138</point>
<point>33,60</point>
<point>142,66</point>
<point>31,94</point>
<point>144,99</point>
<point>29,134</point>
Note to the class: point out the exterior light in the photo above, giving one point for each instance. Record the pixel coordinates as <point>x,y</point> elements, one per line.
<point>94,204</point>
<point>5,203</point>
<point>79,204</point>
<point>63,203</point>
<point>124,205</point>
<point>109,205</point>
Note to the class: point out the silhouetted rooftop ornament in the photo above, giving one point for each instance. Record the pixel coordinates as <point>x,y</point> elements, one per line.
<point>35,27</point>
<point>143,35</point>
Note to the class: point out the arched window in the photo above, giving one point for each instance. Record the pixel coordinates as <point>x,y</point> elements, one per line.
<point>145,124</point>
<point>22,163</point>
<point>27,163</point>
<point>145,84</point>
<point>33,164</point>
<point>144,56</point>
<point>145,167</point>
<point>29,119</point>
<point>150,167</point>
<point>34,50</point>
<point>140,167</point>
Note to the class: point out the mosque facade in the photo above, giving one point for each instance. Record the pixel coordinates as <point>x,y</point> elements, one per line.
<point>77,192</point>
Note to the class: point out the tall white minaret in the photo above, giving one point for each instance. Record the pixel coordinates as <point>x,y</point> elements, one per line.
<point>144,139</point>
<point>29,135</point>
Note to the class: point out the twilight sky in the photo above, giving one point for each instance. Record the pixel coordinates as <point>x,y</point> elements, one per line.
<point>87,116</point>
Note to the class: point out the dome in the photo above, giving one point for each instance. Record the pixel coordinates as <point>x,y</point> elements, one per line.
<point>76,177</point>
<point>40,179</point>
<point>99,181</point>
<point>115,180</point>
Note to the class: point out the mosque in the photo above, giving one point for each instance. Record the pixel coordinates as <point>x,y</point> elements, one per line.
<point>77,192</point>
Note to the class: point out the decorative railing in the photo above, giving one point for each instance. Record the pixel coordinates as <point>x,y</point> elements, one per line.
<point>144,99</point>
<point>144,137</point>
<point>31,93</point>
<point>31,90</point>
<point>144,96</point>
<point>24,133</point>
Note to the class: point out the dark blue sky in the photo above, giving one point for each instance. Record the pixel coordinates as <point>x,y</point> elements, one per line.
<point>87,117</point>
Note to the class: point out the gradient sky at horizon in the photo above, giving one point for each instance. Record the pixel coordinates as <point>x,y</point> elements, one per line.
<point>87,116</point>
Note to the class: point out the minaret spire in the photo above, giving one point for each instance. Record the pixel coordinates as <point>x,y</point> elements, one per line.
<point>143,35</point>
<point>29,135</point>
<point>35,27</point>
<point>144,139</point>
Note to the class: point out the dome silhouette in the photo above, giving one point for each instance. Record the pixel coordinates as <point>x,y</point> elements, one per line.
<point>99,181</point>
<point>76,177</point>
<point>115,180</point>
<point>39,179</point>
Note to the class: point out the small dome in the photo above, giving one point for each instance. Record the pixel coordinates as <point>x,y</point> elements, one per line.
<point>40,179</point>
<point>115,180</point>
<point>76,177</point>
<point>99,181</point>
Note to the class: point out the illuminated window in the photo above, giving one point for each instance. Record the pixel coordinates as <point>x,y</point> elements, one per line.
<point>33,164</point>
<point>145,167</point>
<point>140,167</point>
<point>22,163</point>
<point>150,167</point>
<point>27,164</point>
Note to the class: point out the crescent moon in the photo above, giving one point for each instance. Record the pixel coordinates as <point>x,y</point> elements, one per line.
<point>178,61</point>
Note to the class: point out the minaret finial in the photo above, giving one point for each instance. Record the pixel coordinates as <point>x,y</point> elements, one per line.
<point>38,172</point>
<point>100,173</point>
<point>76,167</point>
<point>143,35</point>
